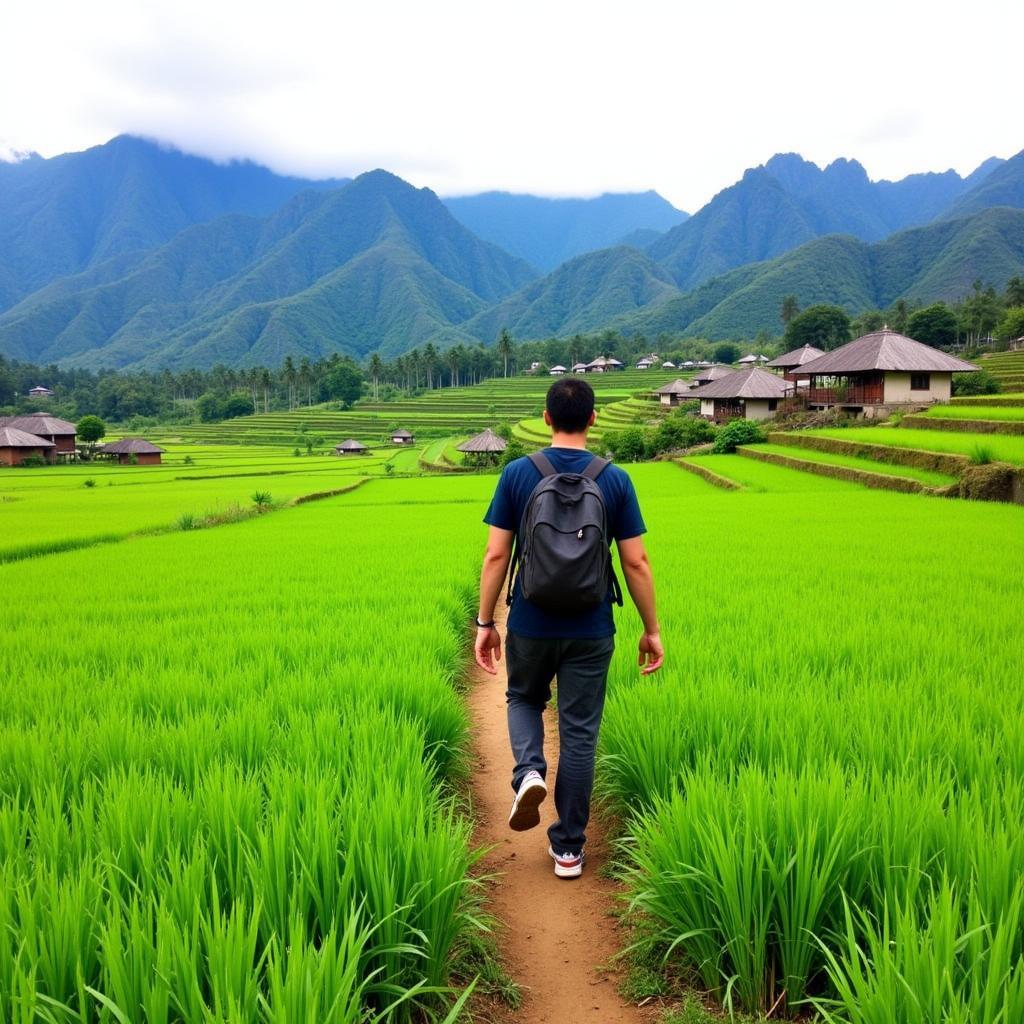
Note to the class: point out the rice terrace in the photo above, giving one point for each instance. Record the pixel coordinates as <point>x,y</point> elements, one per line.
<point>484,539</point>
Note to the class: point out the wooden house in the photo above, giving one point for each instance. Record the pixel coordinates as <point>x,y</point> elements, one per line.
<point>752,360</point>
<point>351,447</point>
<point>644,364</point>
<point>40,392</point>
<point>877,372</point>
<point>402,437</point>
<point>579,367</point>
<point>752,394</point>
<point>60,433</point>
<point>557,370</point>
<point>713,371</point>
<point>790,362</point>
<point>134,451</point>
<point>18,445</point>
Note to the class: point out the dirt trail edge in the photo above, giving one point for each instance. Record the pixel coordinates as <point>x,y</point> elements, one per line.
<point>557,937</point>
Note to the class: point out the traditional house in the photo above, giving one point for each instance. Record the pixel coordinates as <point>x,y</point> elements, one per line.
<point>40,392</point>
<point>483,447</point>
<point>351,447</point>
<point>668,365</point>
<point>879,371</point>
<point>402,437</point>
<point>706,374</point>
<point>18,445</point>
<point>557,370</point>
<point>674,393</point>
<point>644,364</point>
<point>579,367</point>
<point>603,364</point>
<point>790,362</point>
<point>59,433</point>
<point>136,451</point>
<point>751,394</point>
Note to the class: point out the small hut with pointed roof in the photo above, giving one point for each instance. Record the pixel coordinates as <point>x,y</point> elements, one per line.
<point>673,393</point>
<point>707,373</point>
<point>484,447</point>
<point>134,451</point>
<point>557,370</point>
<point>752,394</point>
<point>790,362</point>
<point>18,445</point>
<point>351,447</point>
<point>880,371</point>
<point>402,437</point>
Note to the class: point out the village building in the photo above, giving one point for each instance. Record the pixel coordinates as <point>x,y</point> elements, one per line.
<point>790,362</point>
<point>673,393</point>
<point>706,374</point>
<point>351,447</point>
<point>60,433</point>
<point>880,371</point>
<point>579,367</point>
<point>752,360</point>
<point>40,392</point>
<point>134,451</point>
<point>644,364</point>
<point>752,394</point>
<point>668,365</point>
<point>18,445</point>
<point>602,364</point>
<point>557,370</point>
<point>484,447</point>
<point>402,437</point>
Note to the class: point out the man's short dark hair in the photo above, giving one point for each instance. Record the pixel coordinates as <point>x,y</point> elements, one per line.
<point>569,403</point>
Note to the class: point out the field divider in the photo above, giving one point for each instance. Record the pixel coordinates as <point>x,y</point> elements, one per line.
<point>978,426</point>
<point>709,476</point>
<point>940,462</point>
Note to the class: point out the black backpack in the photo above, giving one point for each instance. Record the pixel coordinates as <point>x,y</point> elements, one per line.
<point>562,546</point>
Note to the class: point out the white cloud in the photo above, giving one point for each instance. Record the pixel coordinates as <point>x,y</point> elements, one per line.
<point>559,98</point>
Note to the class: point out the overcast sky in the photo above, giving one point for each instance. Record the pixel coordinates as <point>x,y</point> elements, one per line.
<point>555,98</point>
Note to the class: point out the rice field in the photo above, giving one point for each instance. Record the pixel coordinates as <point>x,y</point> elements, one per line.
<point>232,761</point>
<point>1000,447</point>
<point>823,790</point>
<point>976,412</point>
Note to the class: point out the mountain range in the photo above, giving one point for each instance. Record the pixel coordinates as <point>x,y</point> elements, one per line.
<point>135,255</point>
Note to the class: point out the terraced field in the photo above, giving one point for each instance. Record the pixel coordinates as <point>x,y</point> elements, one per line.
<point>1007,367</point>
<point>998,447</point>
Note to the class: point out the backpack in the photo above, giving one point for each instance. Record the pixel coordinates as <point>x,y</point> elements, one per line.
<point>562,546</point>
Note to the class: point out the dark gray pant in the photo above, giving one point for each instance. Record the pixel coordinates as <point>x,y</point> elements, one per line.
<point>582,670</point>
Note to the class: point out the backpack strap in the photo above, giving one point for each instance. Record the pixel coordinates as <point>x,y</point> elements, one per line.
<point>543,464</point>
<point>595,467</point>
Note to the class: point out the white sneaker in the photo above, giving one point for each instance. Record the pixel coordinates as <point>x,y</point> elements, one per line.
<point>525,813</point>
<point>567,865</point>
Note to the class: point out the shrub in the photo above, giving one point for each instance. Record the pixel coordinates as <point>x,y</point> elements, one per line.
<point>188,460</point>
<point>629,445</point>
<point>186,521</point>
<point>89,482</point>
<point>513,450</point>
<point>680,432</point>
<point>33,461</point>
<point>981,455</point>
<point>738,432</point>
<point>978,382</point>
<point>389,469</point>
<point>262,500</point>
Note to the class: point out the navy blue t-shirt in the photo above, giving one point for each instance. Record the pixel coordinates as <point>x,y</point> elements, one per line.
<point>518,479</point>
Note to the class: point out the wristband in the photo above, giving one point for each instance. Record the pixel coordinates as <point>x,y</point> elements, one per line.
<point>483,625</point>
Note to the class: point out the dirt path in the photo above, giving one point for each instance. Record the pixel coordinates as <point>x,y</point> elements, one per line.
<point>558,937</point>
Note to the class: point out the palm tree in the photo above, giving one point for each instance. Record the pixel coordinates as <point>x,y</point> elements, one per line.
<point>306,379</point>
<point>504,347</point>
<point>430,362</point>
<point>790,308</point>
<point>289,375</point>
<point>454,359</point>
<point>375,368</point>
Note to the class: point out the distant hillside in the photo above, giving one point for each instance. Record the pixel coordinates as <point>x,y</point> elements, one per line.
<point>789,201</point>
<point>376,265</point>
<point>581,295</point>
<point>547,232</point>
<point>1003,187</point>
<point>66,214</point>
<point>938,261</point>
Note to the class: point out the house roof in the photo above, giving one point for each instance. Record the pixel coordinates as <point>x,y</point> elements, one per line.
<point>11,437</point>
<point>39,389</point>
<point>39,423</point>
<point>486,441</point>
<point>132,446</point>
<point>557,366</point>
<point>715,372</point>
<point>667,365</point>
<point>796,357</point>
<point>676,387</point>
<point>400,433</point>
<point>351,445</point>
<point>885,350</point>
<point>752,382</point>
<point>579,366</point>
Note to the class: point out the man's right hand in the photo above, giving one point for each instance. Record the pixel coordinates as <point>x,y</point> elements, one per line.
<point>652,654</point>
<point>487,649</point>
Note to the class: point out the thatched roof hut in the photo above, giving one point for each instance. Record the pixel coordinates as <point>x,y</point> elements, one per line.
<point>751,394</point>
<point>486,442</point>
<point>796,357</point>
<point>351,447</point>
<point>135,450</point>
<point>18,445</point>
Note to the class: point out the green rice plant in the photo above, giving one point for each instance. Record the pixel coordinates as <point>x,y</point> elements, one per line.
<point>981,455</point>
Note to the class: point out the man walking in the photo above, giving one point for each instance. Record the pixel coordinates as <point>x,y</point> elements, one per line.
<point>562,508</point>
